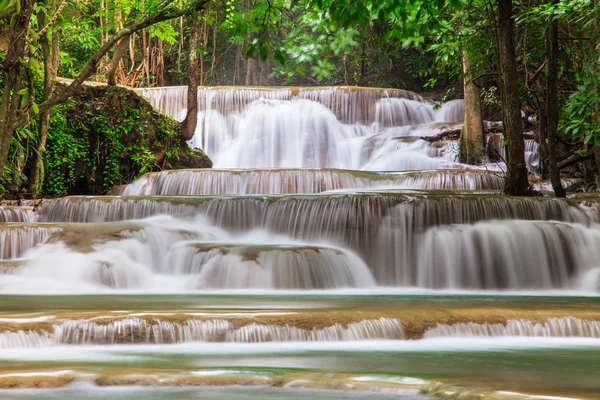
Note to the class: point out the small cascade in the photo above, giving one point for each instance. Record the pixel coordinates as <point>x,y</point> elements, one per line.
<point>553,327</point>
<point>25,339</point>
<point>9,267</point>
<point>532,154</point>
<point>496,152</point>
<point>16,239</point>
<point>292,181</point>
<point>353,105</point>
<point>17,214</point>
<point>324,210</point>
<point>403,112</point>
<point>500,255</point>
<point>283,134</point>
<point>383,328</point>
<point>227,266</point>
<point>172,101</point>
<point>452,111</point>
<point>134,330</point>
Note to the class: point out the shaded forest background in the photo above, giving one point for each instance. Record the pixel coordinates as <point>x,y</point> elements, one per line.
<point>534,64</point>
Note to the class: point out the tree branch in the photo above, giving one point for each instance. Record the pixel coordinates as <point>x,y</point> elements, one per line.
<point>163,15</point>
<point>536,75</point>
<point>574,159</point>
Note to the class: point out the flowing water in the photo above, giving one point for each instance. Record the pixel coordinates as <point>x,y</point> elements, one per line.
<point>332,253</point>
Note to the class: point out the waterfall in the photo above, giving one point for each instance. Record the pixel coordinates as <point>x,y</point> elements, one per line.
<point>164,253</point>
<point>239,266</point>
<point>155,331</point>
<point>16,239</point>
<point>292,181</point>
<point>307,127</point>
<point>553,327</point>
<point>17,214</point>
<point>302,242</point>
<point>403,112</point>
<point>345,210</point>
<point>349,104</point>
<point>499,254</point>
<point>452,111</point>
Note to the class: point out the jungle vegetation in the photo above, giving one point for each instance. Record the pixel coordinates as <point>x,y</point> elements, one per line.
<point>532,63</point>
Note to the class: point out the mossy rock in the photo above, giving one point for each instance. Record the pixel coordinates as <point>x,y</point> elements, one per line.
<point>108,136</point>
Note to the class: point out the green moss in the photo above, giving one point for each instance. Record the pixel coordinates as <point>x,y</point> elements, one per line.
<point>109,136</point>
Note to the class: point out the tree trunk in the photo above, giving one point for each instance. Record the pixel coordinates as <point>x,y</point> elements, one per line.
<point>252,76</point>
<point>552,107</point>
<point>13,81</point>
<point>120,51</point>
<point>50,53</point>
<point>471,138</point>
<point>517,183</point>
<point>191,118</point>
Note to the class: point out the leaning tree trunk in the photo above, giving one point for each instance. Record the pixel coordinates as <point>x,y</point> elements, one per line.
<point>191,118</point>
<point>50,52</point>
<point>517,183</point>
<point>13,82</point>
<point>119,53</point>
<point>552,107</point>
<point>471,137</point>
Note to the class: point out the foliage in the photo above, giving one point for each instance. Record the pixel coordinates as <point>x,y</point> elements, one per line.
<point>103,140</point>
<point>582,109</point>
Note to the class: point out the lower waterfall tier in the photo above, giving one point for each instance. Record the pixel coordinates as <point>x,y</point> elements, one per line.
<point>168,254</point>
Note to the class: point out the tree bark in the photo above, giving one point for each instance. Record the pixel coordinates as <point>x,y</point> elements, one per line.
<point>471,138</point>
<point>120,51</point>
<point>517,183</point>
<point>191,119</point>
<point>552,107</point>
<point>13,81</point>
<point>50,52</point>
<point>252,75</point>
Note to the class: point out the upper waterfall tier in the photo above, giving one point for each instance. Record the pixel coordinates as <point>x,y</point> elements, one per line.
<point>290,181</point>
<point>349,104</point>
<point>336,127</point>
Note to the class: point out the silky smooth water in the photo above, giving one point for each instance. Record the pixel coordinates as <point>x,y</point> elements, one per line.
<point>335,252</point>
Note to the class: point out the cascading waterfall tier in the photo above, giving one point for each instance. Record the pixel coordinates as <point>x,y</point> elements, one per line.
<point>554,327</point>
<point>343,210</point>
<point>405,238</point>
<point>17,214</point>
<point>500,255</point>
<point>251,266</point>
<point>293,181</point>
<point>195,255</point>
<point>351,104</point>
<point>136,330</point>
<point>337,127</point>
